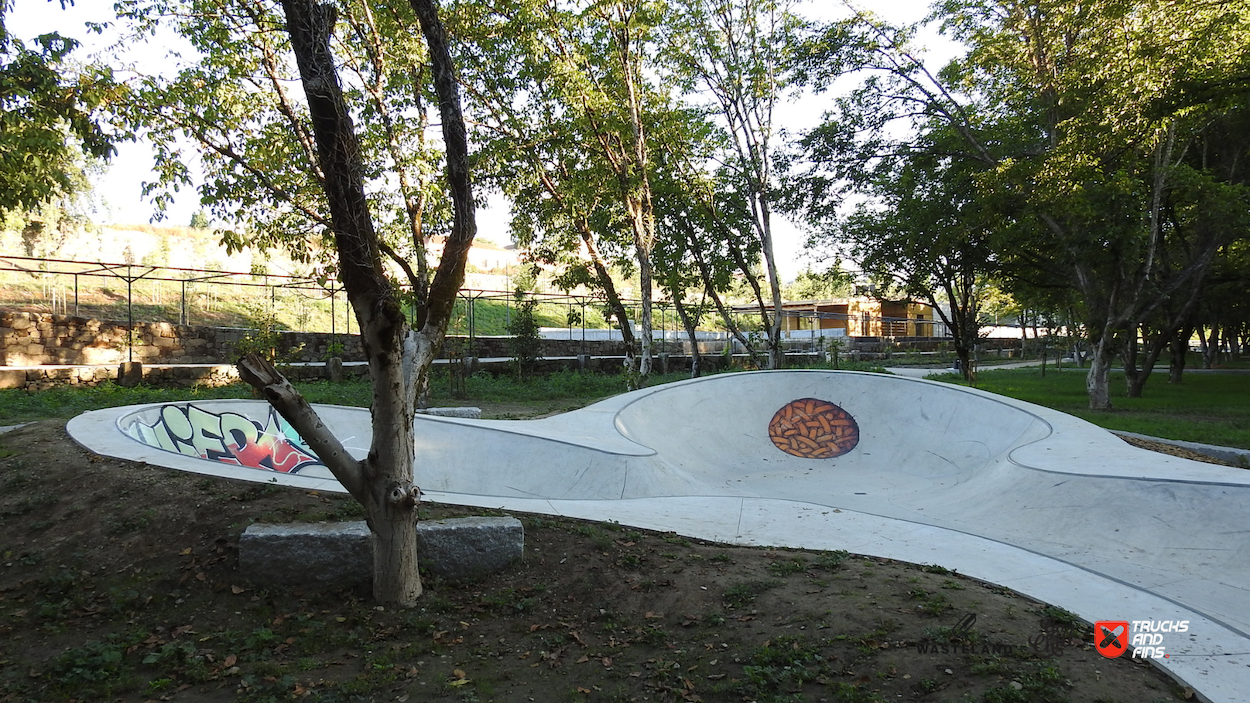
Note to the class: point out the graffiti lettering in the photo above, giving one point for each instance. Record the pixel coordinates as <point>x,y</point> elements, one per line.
<point>229,437</point>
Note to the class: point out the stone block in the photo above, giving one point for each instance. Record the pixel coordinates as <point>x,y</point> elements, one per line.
<point>341,554</point>
<point>470,546</point>
<point>130,374</point>
<point>20,322</point>
<point>334,369</point>
<point>321,554</point>
<point>12,378</point>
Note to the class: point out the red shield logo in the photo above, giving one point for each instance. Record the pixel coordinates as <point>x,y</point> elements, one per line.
<point>1111,637</point>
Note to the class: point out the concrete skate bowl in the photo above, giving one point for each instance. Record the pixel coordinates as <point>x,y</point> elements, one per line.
<point>1012,493</point>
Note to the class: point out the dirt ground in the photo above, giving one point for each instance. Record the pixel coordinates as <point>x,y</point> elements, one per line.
<point>119,582</point>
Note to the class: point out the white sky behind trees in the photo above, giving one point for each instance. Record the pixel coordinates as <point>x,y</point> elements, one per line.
<point>118,190</point>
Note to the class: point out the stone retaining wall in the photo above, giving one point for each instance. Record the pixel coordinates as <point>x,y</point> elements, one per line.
<point>37,339</point>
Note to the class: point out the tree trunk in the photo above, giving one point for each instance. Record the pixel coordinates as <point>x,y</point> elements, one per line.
<point>1133,376</point>
<point>1098,380</point>
<point>647,334</point>
<point>776,353</point>
<point>1178,348</point>
<point>1210,346</point>
<point>687,321</point>
<point>609,289</point>
<point>399,358</point>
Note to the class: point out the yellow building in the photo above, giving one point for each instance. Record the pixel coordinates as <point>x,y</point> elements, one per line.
<point>861,317</point>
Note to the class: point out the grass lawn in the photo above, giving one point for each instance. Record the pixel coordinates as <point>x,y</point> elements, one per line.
<point>1210,408</point>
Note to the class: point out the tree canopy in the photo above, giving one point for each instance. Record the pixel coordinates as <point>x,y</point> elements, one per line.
<point>50,120</point>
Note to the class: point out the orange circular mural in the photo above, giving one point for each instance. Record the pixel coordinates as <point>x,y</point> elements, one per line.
<point>813,429</point>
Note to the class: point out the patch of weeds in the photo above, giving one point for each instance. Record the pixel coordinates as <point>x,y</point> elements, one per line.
<point>514,600</point>
<point>538,523</point>
<point>94,670</point>
<point>746,592</point>
<point>927,686</point>
<point>831,561</point>
<point>847,693</point>
<point>1065,621</point>
<point>17,479</point>
<point>39,501</point>
<point>779,668</point>
<point>599,539</point>
<point>132,523</point>
<point>676,539</point>
<point>1045,684</point>
<point>936,569</point>
<point>990,665</point>
<point>952,635</point>
<point>40,525</point>
<point>932,604</point>
<point>633,562</point>
<point>952,585</point>
<point>786,567</point>
<point>654,635</point>
<point>721,558</point>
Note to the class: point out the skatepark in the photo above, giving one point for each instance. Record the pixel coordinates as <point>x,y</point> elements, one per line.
<point>997,489</point>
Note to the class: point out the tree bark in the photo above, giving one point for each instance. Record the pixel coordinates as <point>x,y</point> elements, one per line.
<point>1178,348</point>
<point>687,321</point>
<point>1210,346</point>
<point>1098,380</point>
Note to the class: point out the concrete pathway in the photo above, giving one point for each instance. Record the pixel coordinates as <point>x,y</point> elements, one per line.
<point>998,489</point>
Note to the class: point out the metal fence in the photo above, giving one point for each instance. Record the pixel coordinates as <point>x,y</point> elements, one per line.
<point>188,296</point>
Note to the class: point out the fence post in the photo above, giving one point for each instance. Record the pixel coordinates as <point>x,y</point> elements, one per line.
<point>130,319</point>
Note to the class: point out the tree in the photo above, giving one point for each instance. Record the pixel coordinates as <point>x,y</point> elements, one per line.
<point>924,230</point>
<point>571,107</point>
<point>739,53</point>
<point>232,105</point>
<point>399,355</point>
<point>49,118</point>
<point>1080,117</point>
<point>833,282</point>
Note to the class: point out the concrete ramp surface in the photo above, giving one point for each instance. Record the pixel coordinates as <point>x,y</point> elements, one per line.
<point>999,489</point>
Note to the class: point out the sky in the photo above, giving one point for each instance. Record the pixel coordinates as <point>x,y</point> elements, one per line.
<point>118,190</point>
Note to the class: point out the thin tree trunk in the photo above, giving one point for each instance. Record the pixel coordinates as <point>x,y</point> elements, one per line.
<point>1178,348</point>
<point>1133,376</point>
<point>687,321</point>
<point>609,290</point>
<point>1210,347</point>
<point>1098,380</point>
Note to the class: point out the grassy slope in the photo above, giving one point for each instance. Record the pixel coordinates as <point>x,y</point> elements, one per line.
<point>1211,408</point>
